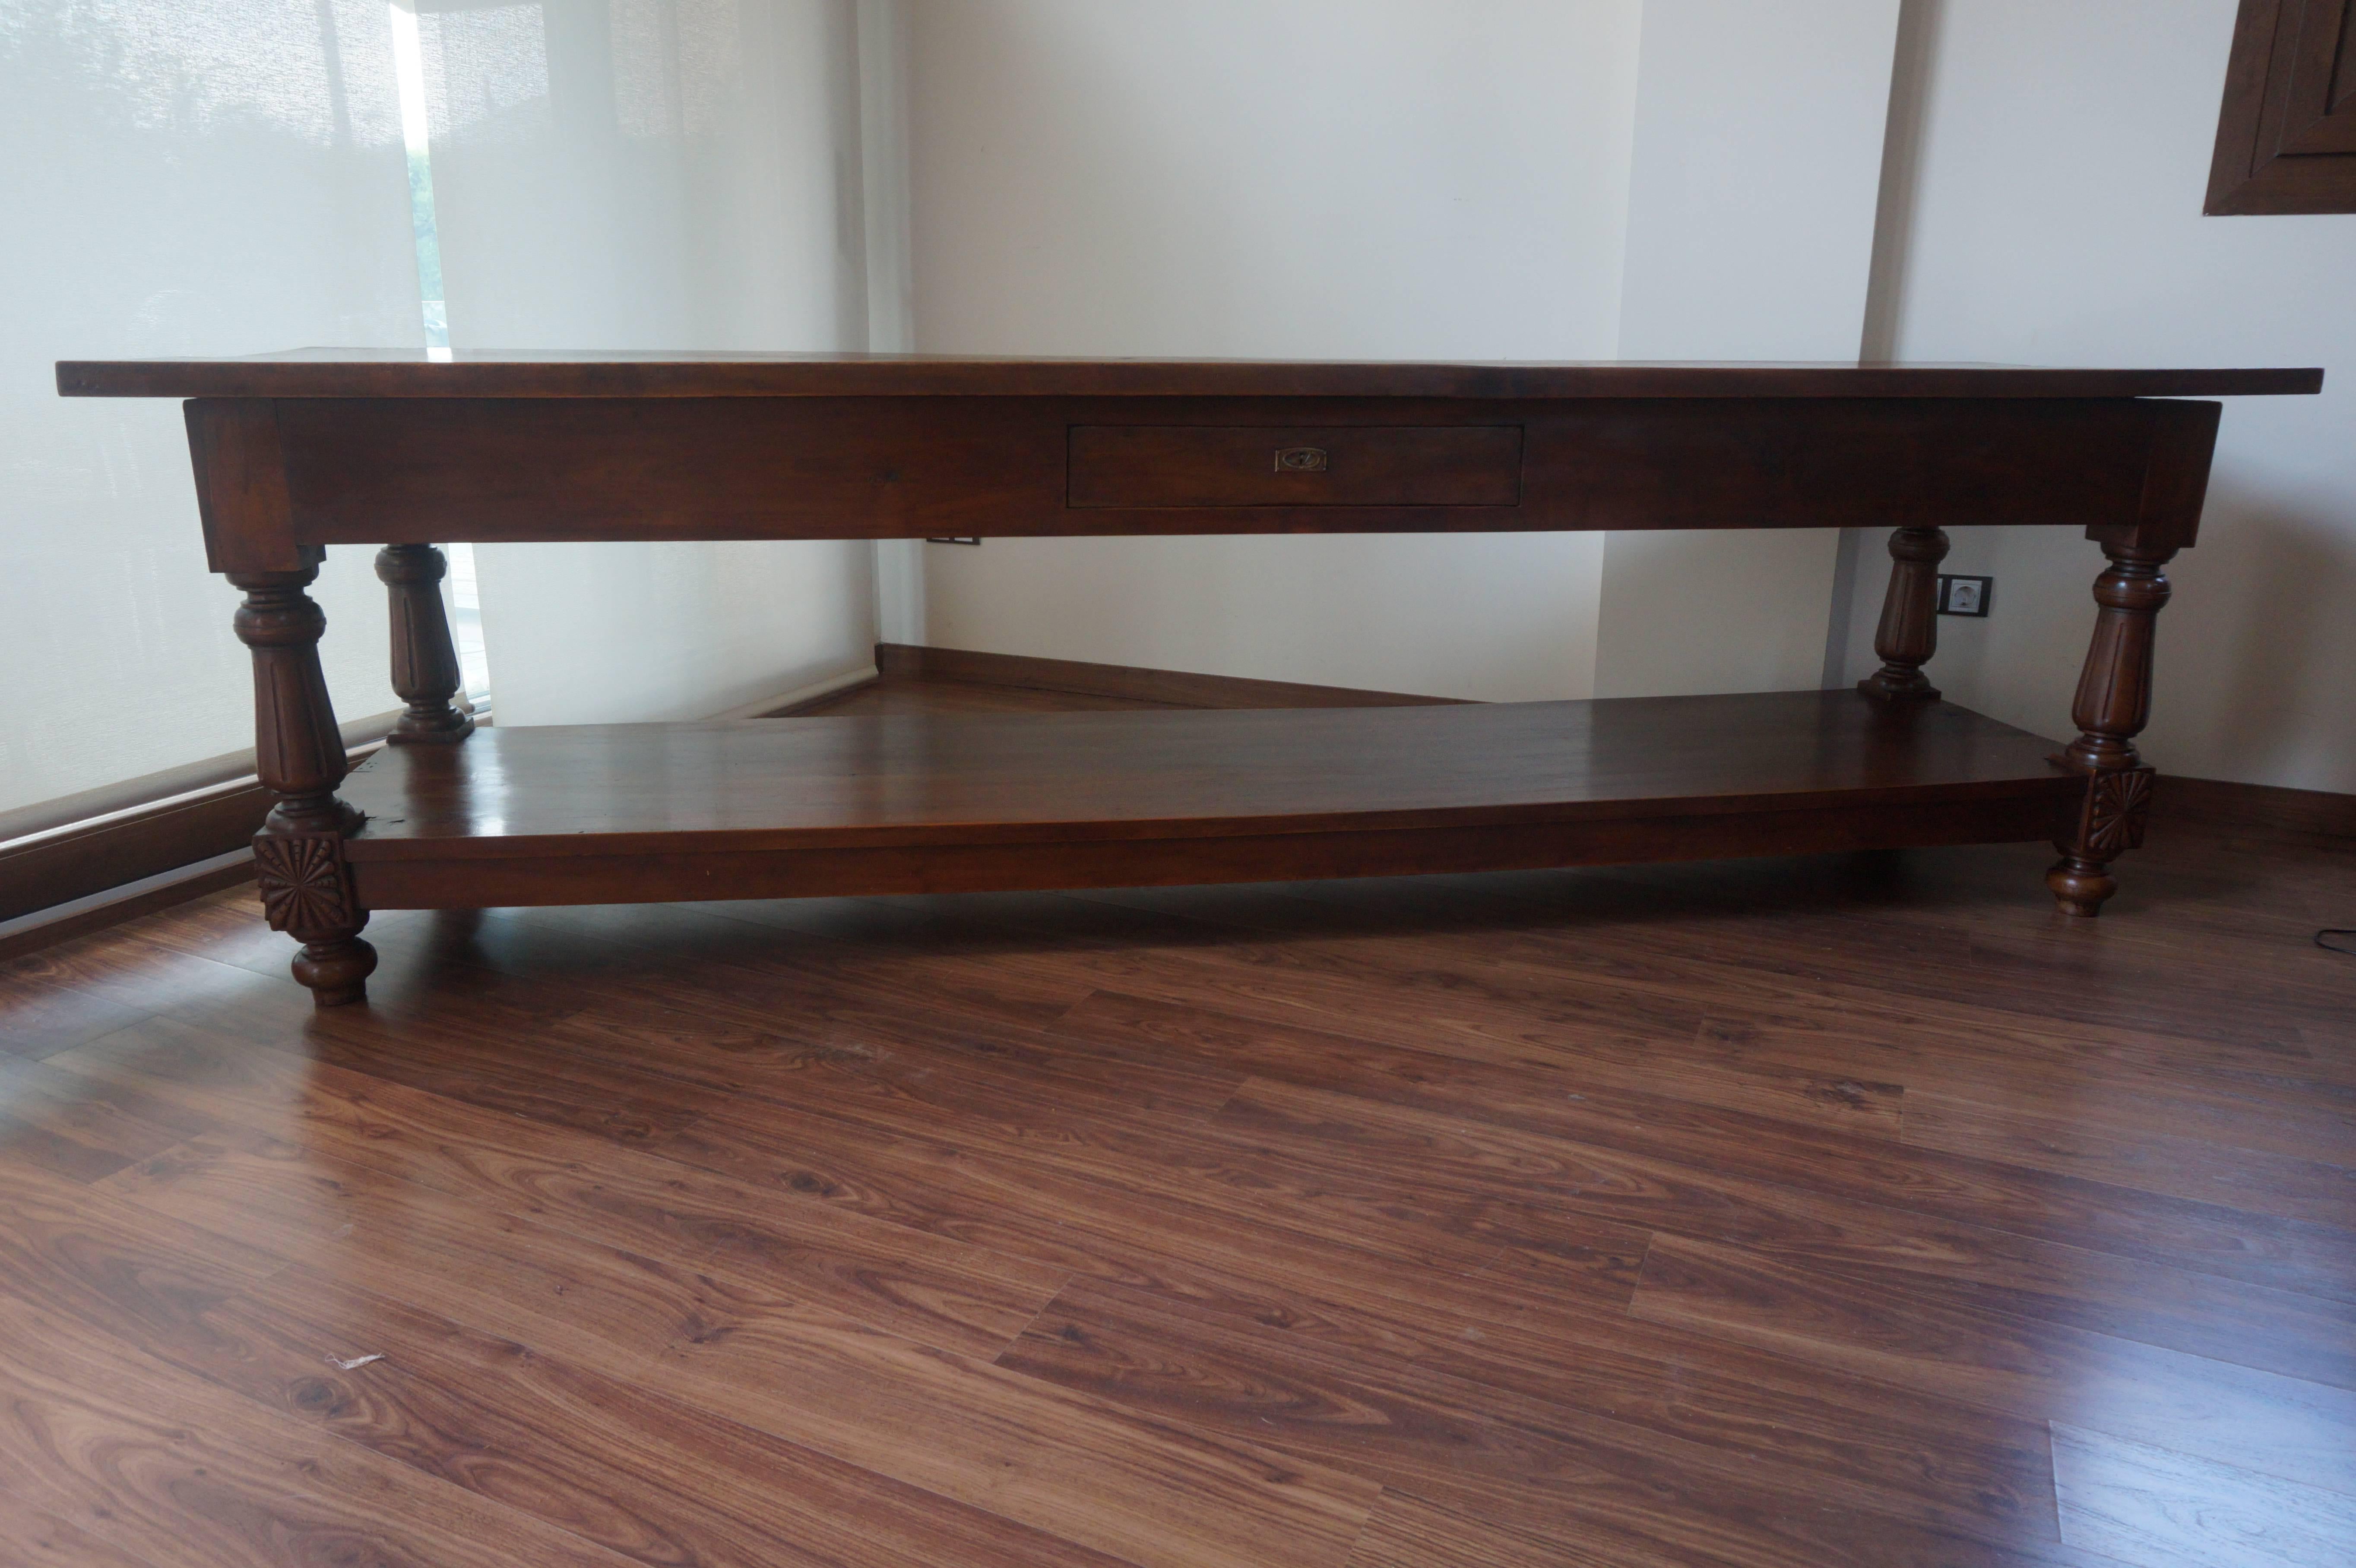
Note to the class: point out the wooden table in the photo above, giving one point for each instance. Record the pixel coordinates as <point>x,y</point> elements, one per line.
<point>294,453</point>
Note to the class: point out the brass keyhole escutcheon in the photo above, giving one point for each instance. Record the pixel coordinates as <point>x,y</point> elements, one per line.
<point>1301,459</point>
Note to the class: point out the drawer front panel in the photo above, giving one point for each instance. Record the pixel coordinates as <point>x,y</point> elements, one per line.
<point>1243,466</point>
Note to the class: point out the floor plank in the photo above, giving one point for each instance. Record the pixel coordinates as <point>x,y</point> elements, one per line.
<point>2157,1509</point>
<point>1972,1351</point>
<point>2052,1138</point>
<point>647,1474</point>
<point>39,1015</point>
<point>1407,1532</point>
<point>155,1463</point>
<point>35,1538</point>
<point>1072,1467</point>
<point>1517,1189</point>
<point>933,1290</point>
<point>1260,1046</point>
<point>1539,1461</point>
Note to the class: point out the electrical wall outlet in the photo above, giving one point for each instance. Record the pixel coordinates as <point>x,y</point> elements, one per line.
<point>1966,596</point>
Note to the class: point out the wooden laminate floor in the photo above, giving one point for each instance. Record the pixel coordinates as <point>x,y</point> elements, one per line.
<point>1847,1211</point>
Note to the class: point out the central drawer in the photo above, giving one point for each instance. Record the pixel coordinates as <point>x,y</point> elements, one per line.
<point>1250,465</point>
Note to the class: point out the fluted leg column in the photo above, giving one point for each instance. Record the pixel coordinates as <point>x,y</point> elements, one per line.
<point>2113,704</point>
<point>424,660</point>
<point>1909,633</point>
<point>306,888</point>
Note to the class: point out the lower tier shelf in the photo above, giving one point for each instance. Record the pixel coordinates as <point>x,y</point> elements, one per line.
<point>784,807</point>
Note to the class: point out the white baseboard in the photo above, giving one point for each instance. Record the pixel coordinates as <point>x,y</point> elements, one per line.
<point>762,707</point>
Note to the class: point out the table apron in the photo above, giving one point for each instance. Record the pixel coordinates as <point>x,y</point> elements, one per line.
<point>379,471</point>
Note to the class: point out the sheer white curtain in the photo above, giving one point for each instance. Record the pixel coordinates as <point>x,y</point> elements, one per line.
<point>228,176</point>
<point>653,174</point>
<point>184,177</point>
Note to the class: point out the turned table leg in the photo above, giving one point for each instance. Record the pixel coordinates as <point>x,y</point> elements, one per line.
<point>2113,704</point>
<point>307,887</point>
<point>424,660</point>
<point>1909,633</point>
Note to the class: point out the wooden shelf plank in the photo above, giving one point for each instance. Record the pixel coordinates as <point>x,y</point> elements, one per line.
<point>919,801</point>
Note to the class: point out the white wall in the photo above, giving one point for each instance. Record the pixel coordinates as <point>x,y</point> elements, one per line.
<point>1269,178</point>
<point>1314,178</point>
<point>185,176</point>
<point>891,282</point>
<point>1750,220</point>
<point>655,174</point>
<point>2057,219</point>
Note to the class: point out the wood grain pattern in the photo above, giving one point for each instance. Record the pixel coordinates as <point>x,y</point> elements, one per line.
<point>913,803</point>
<point>2295,1188</point>
<point>1407,1531</point>
<point>38,1538</point>
<point>1793,1211</point>
<point>2286,129</point>
<point>933,1292</point>
<point>1521,1077</point>
<point>1057,779</point>
<point>800,1372</point>
<point>2145,1505</point>
<point>173,1468</point>
<point>1536,1451</point>
<point>650,1477</point>
<point>406,470</point>
<point>38,1015</point>
<point>1974,1350</point>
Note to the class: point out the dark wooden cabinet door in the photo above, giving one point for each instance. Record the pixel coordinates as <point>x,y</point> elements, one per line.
<point>2287,134</point>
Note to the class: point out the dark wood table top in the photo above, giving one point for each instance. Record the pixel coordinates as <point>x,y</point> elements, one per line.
<point>1037,778</point>
<point>422,373</point>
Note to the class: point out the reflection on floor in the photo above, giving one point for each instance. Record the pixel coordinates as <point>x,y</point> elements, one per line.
<point>1840,1210</point>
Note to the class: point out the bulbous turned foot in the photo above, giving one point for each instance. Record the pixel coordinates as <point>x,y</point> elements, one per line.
<point>1898,683</point>
<point>444,726</point>
<point>335,972</point>
<point>2080,885</point>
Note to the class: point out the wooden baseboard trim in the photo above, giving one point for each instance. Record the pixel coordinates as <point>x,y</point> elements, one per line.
<point>823,703</point>
<point>73,865</point>
<point>47,927</point>
<point>1178,688</point>
<point>787,703</point>
<point>143,828</point>
<point>134,794</point>
<point>2254,806</point>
